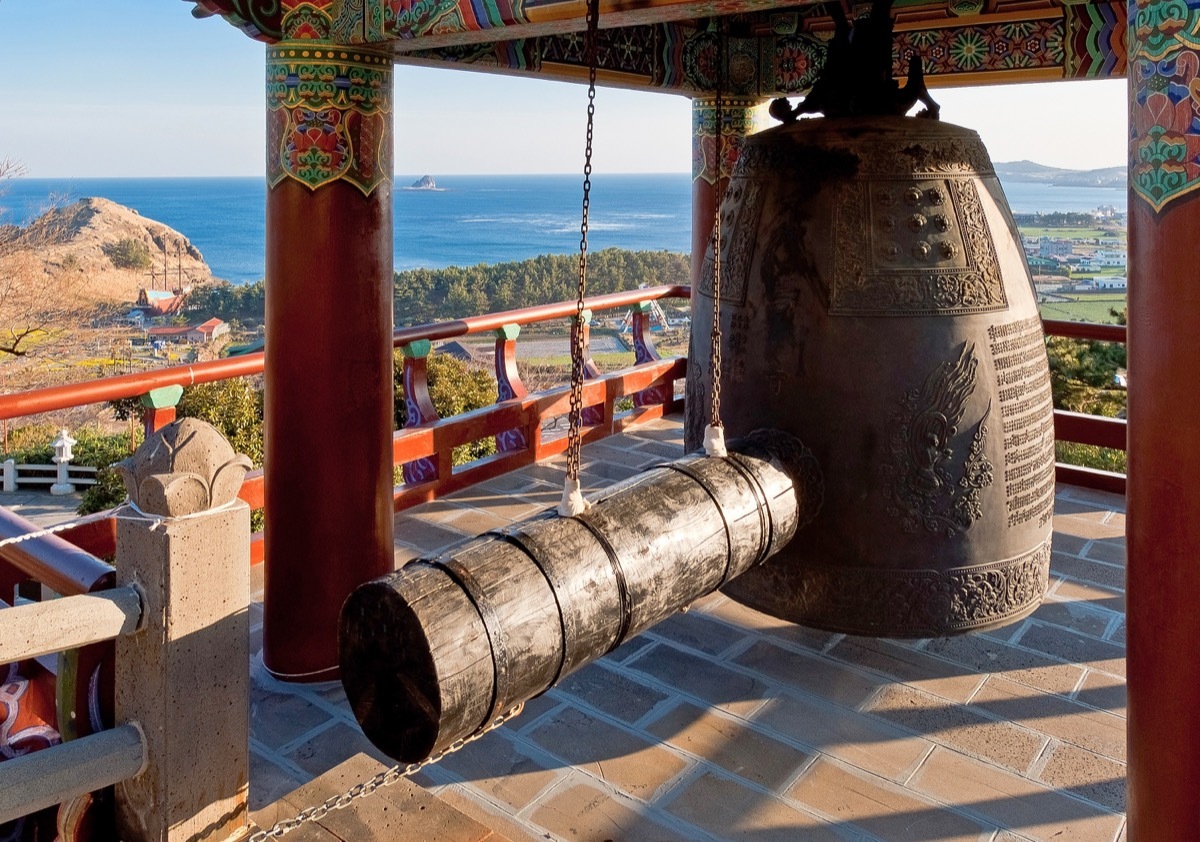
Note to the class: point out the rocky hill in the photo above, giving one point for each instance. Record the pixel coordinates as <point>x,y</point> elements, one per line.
<point>88,237</point>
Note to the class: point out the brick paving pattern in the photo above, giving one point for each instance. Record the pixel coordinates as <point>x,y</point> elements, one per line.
<point>723,723</point>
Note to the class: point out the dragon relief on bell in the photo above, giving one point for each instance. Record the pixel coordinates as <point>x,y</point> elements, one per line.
<point>921,488</point>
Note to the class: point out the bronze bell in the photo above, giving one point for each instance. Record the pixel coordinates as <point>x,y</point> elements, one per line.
<point>876,304</point>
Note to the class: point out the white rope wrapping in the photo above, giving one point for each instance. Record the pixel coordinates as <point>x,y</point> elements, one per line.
<point>572,500</point>
<point>159,520</point>
<point>63,527</point>
<point>714,441</point>
<point>115,512</point>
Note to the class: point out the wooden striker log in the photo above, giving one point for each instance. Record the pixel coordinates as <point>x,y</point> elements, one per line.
<point>432,652</point>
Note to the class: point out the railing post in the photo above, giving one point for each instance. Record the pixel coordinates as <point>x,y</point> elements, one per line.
<point>158,408</point>
<point>418,406</point>
<point>592,415</point>
<point>508,384</point>
<point>645,352</point>
<point>184,676</point>
<point>9,473</point>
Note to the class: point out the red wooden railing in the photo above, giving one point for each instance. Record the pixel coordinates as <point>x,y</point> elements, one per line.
<point>1089,429</point>
<point>518,417</point>
<point>649,382</point>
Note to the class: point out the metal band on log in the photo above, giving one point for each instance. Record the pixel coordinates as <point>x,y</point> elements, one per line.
<point>432,652</point>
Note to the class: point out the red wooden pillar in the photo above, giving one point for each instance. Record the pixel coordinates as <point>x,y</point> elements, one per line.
<point>1163,526</point>
<point>329,337</point>
<point>741,118</point>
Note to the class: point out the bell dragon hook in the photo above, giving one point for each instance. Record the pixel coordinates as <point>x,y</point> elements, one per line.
<point>857,78</point>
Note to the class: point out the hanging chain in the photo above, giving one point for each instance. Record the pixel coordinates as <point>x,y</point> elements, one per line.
<point>575,418</point>
<point>714,354</point>
<point>367,787</point>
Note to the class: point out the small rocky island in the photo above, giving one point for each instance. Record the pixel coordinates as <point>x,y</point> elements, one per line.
<point>425,182</point>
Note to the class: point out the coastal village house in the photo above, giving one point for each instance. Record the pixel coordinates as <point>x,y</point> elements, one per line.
<point>152,303</point>
<point>200,334</point>
<point>722,723</point>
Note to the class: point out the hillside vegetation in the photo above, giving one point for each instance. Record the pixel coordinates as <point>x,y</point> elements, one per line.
<point>425,295</point>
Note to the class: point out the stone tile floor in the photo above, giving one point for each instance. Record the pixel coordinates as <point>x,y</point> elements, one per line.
<point>723,723</point>
<point>41,507</point>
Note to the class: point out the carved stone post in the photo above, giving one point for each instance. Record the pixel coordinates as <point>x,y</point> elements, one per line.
<point>184,676</point>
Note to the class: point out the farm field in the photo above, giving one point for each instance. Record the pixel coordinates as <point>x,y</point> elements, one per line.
<point>1072,233</point>
<point>1084,307</point>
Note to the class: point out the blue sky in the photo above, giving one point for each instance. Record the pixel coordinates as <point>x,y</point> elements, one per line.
<point>140,88</point>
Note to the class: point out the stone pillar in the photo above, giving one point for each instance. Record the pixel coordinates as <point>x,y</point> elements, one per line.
<point>328,458</point>
<point>1164,422</point>
<point>742,116</point>
<point>183,677</point>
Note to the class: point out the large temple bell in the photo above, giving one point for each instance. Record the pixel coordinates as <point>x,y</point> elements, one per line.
<point>886,380</point>
<point>876,303</point>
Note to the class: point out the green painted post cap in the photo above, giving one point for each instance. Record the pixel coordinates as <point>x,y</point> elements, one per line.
<point>645,306</point>
<point>507,332</point>
<point>162,398</point>
<point>419,348</point>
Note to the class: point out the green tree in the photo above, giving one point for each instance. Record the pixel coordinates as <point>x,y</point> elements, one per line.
<point>1083,379</point>
<point>129,254</point>
<point>426,295</point>
<point>228,302</point>
<point>235,407</point>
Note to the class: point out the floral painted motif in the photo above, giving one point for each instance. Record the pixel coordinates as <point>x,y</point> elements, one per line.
<point>317,149</point>
<point>329,116</point>
<point>1165,122</point>
<point>983,48</point>
<point>312,19</point>
<point>23,730</point>
<point>739,121</point>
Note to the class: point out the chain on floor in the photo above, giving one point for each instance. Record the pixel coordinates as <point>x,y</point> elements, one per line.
<point>369,786</point>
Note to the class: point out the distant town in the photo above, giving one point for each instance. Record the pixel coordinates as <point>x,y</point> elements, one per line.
<point>1078,262</point>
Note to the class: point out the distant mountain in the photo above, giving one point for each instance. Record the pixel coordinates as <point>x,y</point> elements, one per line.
<point>1029,172</point>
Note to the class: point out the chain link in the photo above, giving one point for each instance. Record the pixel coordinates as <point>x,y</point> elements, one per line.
<point>714,353</point>
<point>575,418</point>
<point>369,786</point>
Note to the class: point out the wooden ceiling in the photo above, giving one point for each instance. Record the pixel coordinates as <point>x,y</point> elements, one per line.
<point>774,48</point>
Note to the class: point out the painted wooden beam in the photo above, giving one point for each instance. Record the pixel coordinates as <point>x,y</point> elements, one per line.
<point>781,52</point>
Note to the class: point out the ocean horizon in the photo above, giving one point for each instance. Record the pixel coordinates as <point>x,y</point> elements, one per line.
<point>469,219</point>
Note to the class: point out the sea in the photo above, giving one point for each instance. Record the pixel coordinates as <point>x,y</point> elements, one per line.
<point>468,219</point>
